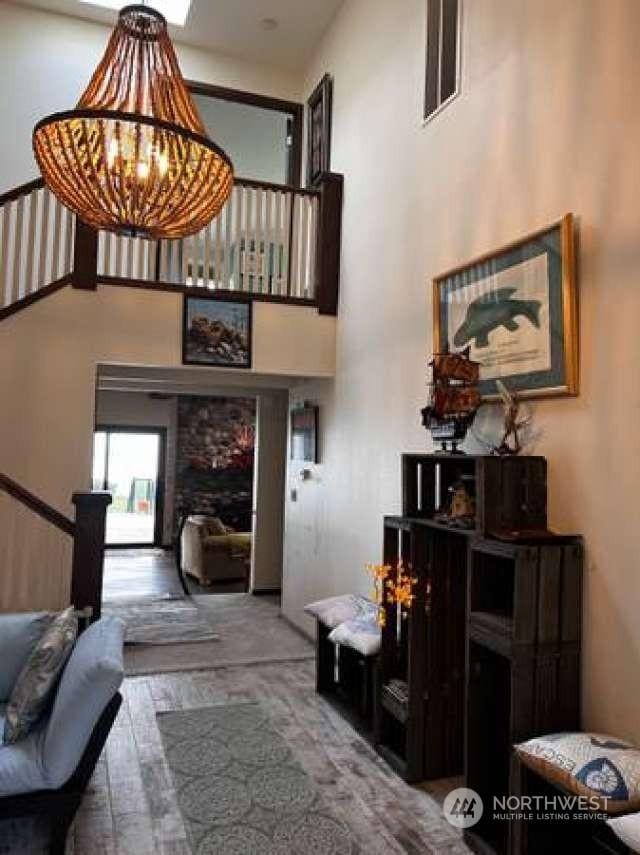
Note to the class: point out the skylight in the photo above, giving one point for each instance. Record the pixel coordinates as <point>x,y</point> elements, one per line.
<point>175,11</point>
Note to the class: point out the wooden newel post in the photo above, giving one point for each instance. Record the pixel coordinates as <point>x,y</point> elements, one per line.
<point>85,257</point>
<point>88,550</point>
<point>328,242</point>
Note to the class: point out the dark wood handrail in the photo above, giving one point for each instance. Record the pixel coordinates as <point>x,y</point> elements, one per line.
<point>220,293</point>
<point>282,188</point>
<point>22,190</point>
<point>51,515</point>
<point>35,297</point>
<point>84,274</point>
<point>37,183</point>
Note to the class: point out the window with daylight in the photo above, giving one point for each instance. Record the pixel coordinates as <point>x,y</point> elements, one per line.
<point>443,60</point>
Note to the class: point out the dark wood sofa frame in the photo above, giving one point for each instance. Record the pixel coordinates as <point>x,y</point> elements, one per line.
<point>60,806</point>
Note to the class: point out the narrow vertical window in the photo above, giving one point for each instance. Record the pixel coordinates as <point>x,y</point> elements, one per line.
<point>442,60</point>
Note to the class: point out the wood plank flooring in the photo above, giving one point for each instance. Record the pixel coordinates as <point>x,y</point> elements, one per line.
<point>141,574</point>
<point>131,807</point>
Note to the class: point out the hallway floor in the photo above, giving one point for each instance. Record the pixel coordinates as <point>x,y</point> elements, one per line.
<point>140,574</point>
<point>131,805</point>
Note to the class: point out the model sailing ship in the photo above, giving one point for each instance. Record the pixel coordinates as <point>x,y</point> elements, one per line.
<point>454,398</point>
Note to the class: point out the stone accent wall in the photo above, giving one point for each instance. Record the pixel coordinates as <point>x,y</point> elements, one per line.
<point>214,458</point>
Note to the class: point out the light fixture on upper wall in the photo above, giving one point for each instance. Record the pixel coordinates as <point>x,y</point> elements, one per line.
<point>133,156</point>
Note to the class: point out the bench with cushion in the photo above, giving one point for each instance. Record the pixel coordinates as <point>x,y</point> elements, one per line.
<point>603,770</point>
<point>347,646</point>
<point>46,772</point>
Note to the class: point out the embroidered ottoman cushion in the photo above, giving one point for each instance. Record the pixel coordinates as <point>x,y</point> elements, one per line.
<point>588,764</point>
<point>361,633</point>
<point>335,610</point>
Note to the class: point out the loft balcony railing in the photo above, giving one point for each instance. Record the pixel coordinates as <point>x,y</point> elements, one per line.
<point>269,242</point>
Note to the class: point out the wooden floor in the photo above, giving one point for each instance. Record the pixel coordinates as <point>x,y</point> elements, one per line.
<point>131,574</point>
<point>131,807</point>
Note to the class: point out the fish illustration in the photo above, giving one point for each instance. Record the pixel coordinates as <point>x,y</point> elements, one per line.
<point>492,310</point>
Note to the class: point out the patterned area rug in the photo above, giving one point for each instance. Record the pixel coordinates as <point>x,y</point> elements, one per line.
<point>240,789</point>
<point>163,621</point>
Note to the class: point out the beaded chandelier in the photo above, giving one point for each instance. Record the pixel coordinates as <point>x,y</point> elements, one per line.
<point>134,157</point>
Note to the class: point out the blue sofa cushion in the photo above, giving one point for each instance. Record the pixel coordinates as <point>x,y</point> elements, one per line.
<point>19,634</point>
<point>48,757</point>
<point>20,767</point>
<point>91,678</point>
<point>37,681</point>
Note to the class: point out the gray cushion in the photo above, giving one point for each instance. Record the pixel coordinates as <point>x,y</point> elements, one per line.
<point>48,757</point>
<point>91,678</point>
<point>20,767</point>
<point>19,634</point>
<point>37,681</point>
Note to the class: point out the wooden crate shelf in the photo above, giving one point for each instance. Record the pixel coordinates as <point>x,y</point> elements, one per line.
<point>523,662</point>
<point>490,650</point>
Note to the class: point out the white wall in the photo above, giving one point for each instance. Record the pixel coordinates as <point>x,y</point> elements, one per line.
<point>548,122</point>
<point>50,353</point>
<point>138,409</point>
<point>47,59</point>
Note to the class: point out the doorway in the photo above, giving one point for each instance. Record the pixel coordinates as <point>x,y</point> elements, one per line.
<point>129,463</point>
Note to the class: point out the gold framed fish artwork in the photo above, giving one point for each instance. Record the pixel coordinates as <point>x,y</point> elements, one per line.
<point>516,310</point>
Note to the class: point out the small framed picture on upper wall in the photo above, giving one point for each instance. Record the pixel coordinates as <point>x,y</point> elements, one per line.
<point>216,332</point>
<point>304,434</point>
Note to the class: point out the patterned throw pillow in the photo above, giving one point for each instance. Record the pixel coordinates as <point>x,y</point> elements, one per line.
<point>335,610</point>
<point>38,678</point>
<point>362,634</point>
<point>588,764</point>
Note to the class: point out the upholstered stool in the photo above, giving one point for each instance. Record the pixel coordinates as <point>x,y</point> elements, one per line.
<point>347,643</point>
<point>604,772</point>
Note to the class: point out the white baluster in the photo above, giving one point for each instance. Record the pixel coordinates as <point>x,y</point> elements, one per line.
<point>68,241</point>
<point>30,285</point>
<point>45,249</point>
<point>4,257</point>
<point>206,253</point>
<point>17,251</point>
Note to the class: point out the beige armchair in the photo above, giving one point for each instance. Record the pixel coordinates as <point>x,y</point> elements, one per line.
<point>212,553</point>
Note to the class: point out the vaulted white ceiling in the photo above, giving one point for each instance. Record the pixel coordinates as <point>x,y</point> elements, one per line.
<point>235,27</point>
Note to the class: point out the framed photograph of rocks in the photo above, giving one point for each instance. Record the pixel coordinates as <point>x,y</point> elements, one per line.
<point>514,310</point>
<point>216,332</point>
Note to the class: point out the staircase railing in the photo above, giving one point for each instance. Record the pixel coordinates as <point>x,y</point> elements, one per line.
<point>270,242</point>
<point>86,534</point>
<point>36,245</point>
